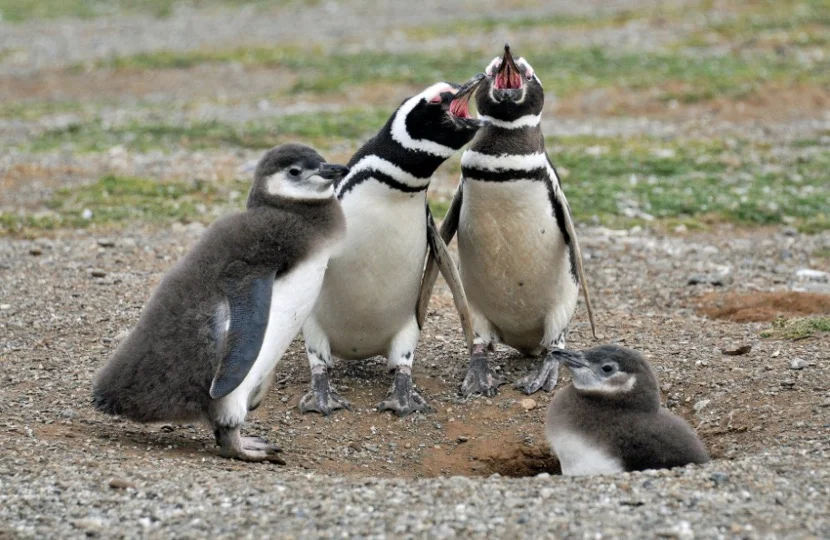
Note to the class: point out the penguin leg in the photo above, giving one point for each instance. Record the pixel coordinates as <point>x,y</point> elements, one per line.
<point>403,399</point>
<point>234,446</point>
<point>546,377</point>
<point>322,398</point>
<point>480,379</point>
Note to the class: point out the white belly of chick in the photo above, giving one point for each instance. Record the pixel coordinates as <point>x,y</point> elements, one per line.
<point>515,265</point>
<point>371,286</point>
<point>292,299</point>
<point>579,456</point>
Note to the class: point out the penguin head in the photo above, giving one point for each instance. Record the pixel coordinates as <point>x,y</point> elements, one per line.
<point>435,119</point>
<point>293,171</point>
<point>612,372</point>
<point>510,89</point>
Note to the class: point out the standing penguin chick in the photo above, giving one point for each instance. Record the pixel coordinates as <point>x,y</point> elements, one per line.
<point>520,261</point>
<point>610,420</point>
<point>368,302</point>
<point>206,344</point>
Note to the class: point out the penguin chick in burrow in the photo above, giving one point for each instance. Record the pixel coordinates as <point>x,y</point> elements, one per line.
<point>521,266</point>
<point>207,342</point>
<point>609,420</point>
<point>367,305</point>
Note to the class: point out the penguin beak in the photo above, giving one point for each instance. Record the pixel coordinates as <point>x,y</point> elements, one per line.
<point>330,171</point>
<point>571,359</point>
<point>508,76</point>
<point>460,106</point>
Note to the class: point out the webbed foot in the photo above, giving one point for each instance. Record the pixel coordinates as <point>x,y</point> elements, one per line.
<point>403,399</point>
<point>323,398</point>
<point>480,379</point>
<point>234,446</point>
<point>543,379</point>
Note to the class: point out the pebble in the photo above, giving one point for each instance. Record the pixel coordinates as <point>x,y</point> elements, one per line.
<point>528,404</point>
<point>798,364</point>
<point>35,251</point>
<point>97,272</point>
<point>106,242</point>
<point>743,349</point>
<point>462,439</point>
<point>809,274</point>
<point>120,483</point>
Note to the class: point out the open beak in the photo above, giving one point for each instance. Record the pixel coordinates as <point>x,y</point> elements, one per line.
<point>460,106</point>
<point>508,76</point>
<point>330,171</point>
<point>571,359</point>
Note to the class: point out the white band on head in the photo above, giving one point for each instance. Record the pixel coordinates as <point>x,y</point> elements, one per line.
<point>402,136</point>
<point>493,65</point>
<point>528,120</point>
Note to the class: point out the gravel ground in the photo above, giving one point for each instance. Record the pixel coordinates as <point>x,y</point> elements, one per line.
<point>473,468</point>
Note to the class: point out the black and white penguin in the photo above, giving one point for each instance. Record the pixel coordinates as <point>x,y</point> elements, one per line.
<point>520,261</point>
<point>609,420</point>
<point>367,306</point>
<point>207,342</point>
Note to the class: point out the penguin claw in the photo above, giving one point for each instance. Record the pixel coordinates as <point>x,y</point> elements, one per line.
<point>403,399</point>
<point>322,399</point>
<point>544,378</point>
<point>480,379</point>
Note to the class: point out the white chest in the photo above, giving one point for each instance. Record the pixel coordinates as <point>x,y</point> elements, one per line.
<point>579,456</point>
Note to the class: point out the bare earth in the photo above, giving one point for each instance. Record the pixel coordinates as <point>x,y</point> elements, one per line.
<point>477,468</point>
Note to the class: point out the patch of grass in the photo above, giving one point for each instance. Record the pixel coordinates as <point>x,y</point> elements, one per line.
<point>795,329</point>
<point>822,253</point>
<point>563,71</point>
<point>645,180</point>
<point>121,199</point>
<point>22,10</point>
<point>32,110</point>
<point>317,128</point>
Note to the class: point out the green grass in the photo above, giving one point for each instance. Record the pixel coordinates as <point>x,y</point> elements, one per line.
<point>119,199</point>
<point>563,71</point>
<point>22,10</point>
<point>684,180</point>
<point>318,128</point>
<point>795,329</point>
<point>821,253</point>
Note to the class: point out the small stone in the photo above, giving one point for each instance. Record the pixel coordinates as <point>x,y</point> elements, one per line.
<point>106,242</point>
<point>36,251</point>
<point>68,413</point>
<point>97,272</point>
<point>437,425</point>
<point>371,448</point>
<point>700,405</point>
<point>167,428</point>
<point>462,439</point>
<point>86,214</point>
<point>120,483</point>
<point>4,307</point>
<point>787,384</point>
<point>776,354</point>
<point>89,524</point>
<point>719,478</point>
<point>407,445</point>
<point>528,404</point>
<point>809,274</point>
<point>798,364</point>
<point>743,349</point>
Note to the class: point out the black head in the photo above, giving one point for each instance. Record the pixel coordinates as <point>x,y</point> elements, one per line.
<point>510,89</point>
<point>293,171</point>
<point>612,372</point>
<point>434,122</point>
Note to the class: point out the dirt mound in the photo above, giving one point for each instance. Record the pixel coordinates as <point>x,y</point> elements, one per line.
<point>763,306</point>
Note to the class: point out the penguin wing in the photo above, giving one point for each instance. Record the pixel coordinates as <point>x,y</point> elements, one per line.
<point>576,253</point>
<point>248,292</point>
<point>441,255</point>
<point>448,230</point>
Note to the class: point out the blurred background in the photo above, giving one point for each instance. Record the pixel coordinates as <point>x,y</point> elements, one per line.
<point>674,115</point>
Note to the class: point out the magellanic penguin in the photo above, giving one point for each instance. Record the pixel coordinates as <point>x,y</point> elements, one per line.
<point>367,306</point>
<point>610,420</point>
<point>520,261</point>
<point>207,342</point>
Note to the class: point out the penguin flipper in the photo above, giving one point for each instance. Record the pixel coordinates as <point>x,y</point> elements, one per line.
<point>448,230</point>
<point>444,261</point>
<point>570,229</point>
<point>249,300</point>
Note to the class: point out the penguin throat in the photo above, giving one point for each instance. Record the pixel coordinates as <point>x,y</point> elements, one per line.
<point>460,108</point>
<point>508,79</point>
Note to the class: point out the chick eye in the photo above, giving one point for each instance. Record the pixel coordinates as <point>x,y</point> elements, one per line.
<point>294,171</point>
<point>608,368</point>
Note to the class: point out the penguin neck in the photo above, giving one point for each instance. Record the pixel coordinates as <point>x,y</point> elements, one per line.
<point>386,160</point>
<point>503,155</point>
<point>640,399</point>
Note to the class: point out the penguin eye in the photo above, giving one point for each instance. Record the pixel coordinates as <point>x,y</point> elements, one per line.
<point>294,171</point>
<point>436,99</point>
<point>609,368</point>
